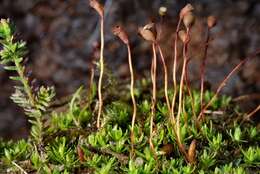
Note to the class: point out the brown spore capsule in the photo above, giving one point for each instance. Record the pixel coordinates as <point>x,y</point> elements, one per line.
<point>188,8</point>
<point>212,21</point>
<point>189,19</point>
<point>121,33</point>
<point>148,32</point>
<point>97,6</point>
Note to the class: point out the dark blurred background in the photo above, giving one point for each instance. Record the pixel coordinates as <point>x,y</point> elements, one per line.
<point>62,38</point>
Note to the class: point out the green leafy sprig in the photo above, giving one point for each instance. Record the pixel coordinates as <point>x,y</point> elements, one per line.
<point>36,103</point>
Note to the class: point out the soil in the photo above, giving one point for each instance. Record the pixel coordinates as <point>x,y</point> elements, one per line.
<point>62,37</point>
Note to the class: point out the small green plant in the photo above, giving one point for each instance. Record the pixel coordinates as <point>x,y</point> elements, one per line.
<point>175,131</point>
<point>251,156</point>
<point>35,104</point>
<point>60,153</point>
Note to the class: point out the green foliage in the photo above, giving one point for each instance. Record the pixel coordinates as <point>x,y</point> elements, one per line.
<point>207,159</point>
<point>216,142</point>
<point>42,101</point>
<point>251,156</point>
<point>106,168</point>
<point>17,151</point>
<point>34,104</point>
<point>59,152</point>
<point>237,134</point>
<point>118,113</point>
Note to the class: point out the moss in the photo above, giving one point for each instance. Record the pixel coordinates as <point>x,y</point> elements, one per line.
<point>222,148</point>
<point>208,134</point>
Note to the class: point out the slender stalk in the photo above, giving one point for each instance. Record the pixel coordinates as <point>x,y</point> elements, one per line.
<point>187,81</point>
<point>223,83</point>
<point>202,67</point>
<point>185,114</point>
<point>165,78</point>
<point>180,104</point>
<point>91,82</point>
<point>153,75</point>
<point>185,61</point>
<point>180,96</point>
<point>250,114</point>
<point>174,70</point>
<point>31,98</point>
<point>132,96</point>
<point>101,62</point>
<point>28,90</point>
<point>176,123</point>
<point>247,97</point>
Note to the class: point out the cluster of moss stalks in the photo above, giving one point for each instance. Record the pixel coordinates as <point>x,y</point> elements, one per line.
<point>175,129</point>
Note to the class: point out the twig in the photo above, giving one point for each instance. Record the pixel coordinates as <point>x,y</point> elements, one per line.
<point>122,158</point>
<point>247,97</point>
<point>19,167</point>
<point>250,114</point>
<point>223,83</point>
<point>214,112</point>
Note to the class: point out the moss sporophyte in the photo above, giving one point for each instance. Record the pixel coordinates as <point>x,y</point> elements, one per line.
<point>103,130</point>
